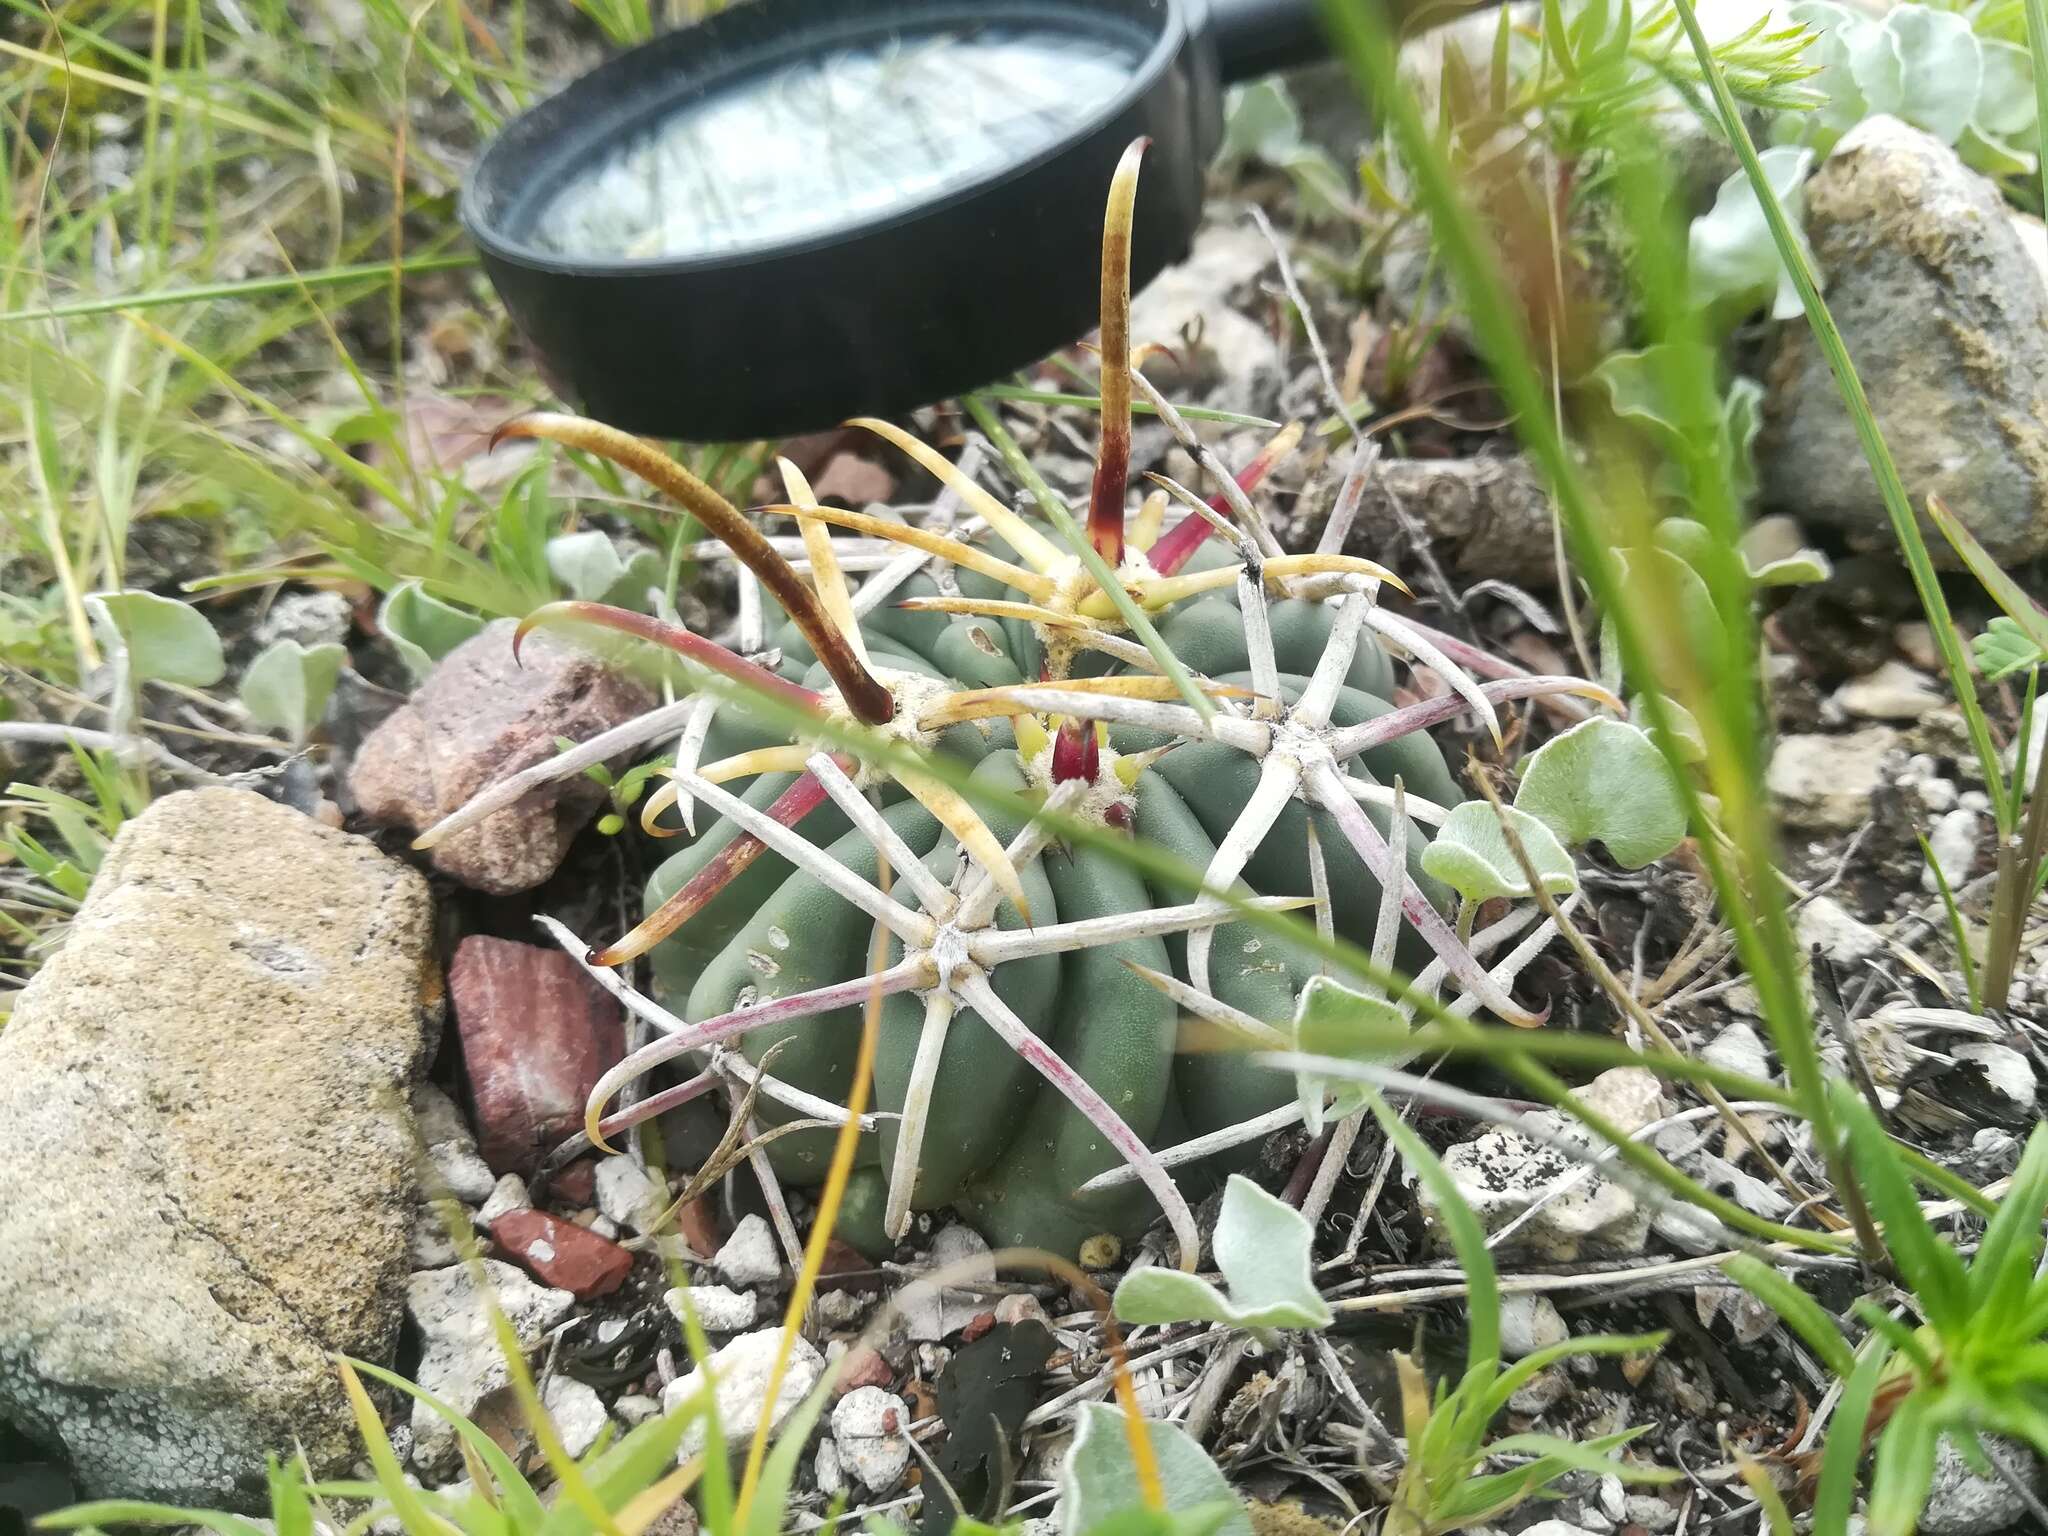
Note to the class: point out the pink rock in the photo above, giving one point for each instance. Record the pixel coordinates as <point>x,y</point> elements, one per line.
<point>854,481</point>
<point>562,1254</point>
<point>864,1367</point>
<point>481,717</point>
<point>537,1034</point>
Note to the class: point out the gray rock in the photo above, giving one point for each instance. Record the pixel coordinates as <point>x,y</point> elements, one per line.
<point>830,1475</point>
<point>1503,1175</point>
<point>1827,783</point>
<point>207,1179</point>
<point>1540,1393</point>
<point>1945,312</point>
<point>869,1426</point>
<point>1529,1322</point>
<point>507,1195</point>
<point>741,1372</point>
<point>1953,841</point>
<point>2007,1071</point>
<point>311,618</point>
<point>625,1194</point>
<point>1739,1048</point>
<point>461,1363</point>
<point>749,1256</point>
<point>432,1248</point>
<point>1825,924</point>
<point>481,717</point>
<point>1894,691</point>
<point>456,1168</point>
<point>962,1251</point>
<point>577,1410</point>
<point>634,1409</point>
<point>718,1308</point>
<point>1961,1503</point>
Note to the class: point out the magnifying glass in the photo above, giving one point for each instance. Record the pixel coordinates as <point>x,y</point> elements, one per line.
<point>798,211</point>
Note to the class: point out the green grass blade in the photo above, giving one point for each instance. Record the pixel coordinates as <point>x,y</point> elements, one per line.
<point>1468,1238</point>
<point>1797,1310</point>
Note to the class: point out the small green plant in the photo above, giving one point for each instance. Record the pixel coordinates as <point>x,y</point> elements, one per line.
<point>1927,66</point>
<point>1975,1364</point>
<point>288,685</point>
<point>1444,1487</point>
<point>55,879</point>
<point>1262,1245</point>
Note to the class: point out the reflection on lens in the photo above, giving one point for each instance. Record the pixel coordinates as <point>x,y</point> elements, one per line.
<point>841,136</point>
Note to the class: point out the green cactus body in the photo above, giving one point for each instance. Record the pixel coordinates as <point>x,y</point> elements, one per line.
<point>1000,1144</point>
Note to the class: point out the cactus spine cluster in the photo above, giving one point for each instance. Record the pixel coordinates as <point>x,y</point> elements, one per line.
<point>1065,1039</point>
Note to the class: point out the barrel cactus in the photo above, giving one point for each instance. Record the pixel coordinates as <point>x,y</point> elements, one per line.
<point>1054,1017</point>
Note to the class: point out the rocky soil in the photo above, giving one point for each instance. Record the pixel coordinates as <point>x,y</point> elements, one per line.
<point>236,1139</point>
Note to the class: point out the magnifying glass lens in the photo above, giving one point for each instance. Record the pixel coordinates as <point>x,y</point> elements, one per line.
<point>847,134</point>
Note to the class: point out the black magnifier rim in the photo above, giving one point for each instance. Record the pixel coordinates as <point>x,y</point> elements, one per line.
<point>802,29</point>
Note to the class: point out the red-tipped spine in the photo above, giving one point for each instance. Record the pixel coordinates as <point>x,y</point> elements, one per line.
<point>1113,458</point>
<point>790,807</point>
<point>1180,541</point>
<point>708,654</point>
<point>1076,754</point>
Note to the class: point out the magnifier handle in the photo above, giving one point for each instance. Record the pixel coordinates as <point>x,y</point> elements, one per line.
<point>1257,37</point>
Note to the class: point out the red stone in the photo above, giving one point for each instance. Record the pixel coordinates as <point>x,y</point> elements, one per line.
<point>697,1226</point>
<point>537,1034</point>
<point>562,1254</point>
<point>846,1268</point>
<point>855,481</point>
<point>575,1184</point>
<point>977,1325</point>
<point>482,716</point>
<point>864,1367</point>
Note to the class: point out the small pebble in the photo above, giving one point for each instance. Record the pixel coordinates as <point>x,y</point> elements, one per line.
<point>2007,1071</point>
<point>562,1254</point>
<point>507,1195</point>
<point>1953,841</point>
<point>432,1248</point>
<point>962,1252</point>
<point>1529,1322</point>
<point>1539,1393</point>
<point>626,1194</point>
<point>458,1169</point>
<point>864,1367</point>
<point>635,1408</point>
<point>740,1369</point>
<point>1739,1048</point>
<point>841,1309</point>
<point>868,1425</point>
<point>1894,691</point>
<point>1022,1308</point>
<point>831,1476</point>
<point>749,1256</point>
<point>718,1308</point>
<point>577,1411</point>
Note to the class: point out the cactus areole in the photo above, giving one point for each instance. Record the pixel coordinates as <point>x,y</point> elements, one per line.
<point>1052,1016</point>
